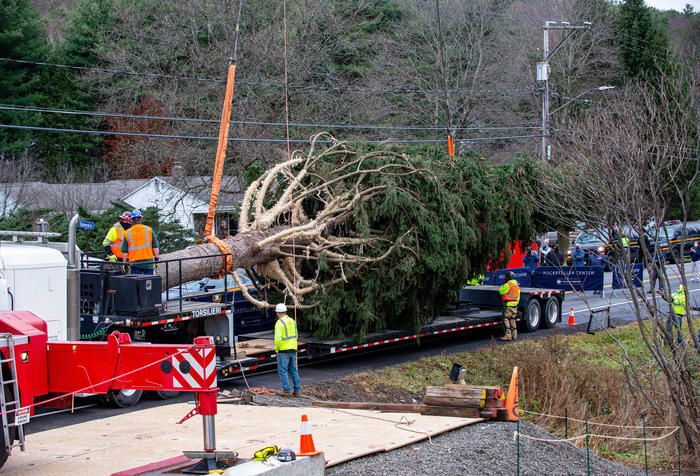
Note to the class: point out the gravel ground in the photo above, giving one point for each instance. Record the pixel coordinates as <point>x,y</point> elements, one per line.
<point>483,448</point>
<point>278,401</point>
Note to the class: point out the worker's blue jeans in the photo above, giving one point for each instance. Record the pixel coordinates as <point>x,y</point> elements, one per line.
<point>286,365</point>
<point>137,270</point>
<point>674,326</point>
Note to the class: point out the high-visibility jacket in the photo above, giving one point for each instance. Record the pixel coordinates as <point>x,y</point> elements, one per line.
<point>625,242</point>
<point>114,239</point>
<point>679,302</point>
<point>510,293</point>
<point>140,241</point>
<point>286,337</point>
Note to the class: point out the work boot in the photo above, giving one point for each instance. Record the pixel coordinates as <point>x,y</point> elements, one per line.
<point>515,335</point>
<point>297,394</point>
<point>285,394</point>
<point>506,337</point>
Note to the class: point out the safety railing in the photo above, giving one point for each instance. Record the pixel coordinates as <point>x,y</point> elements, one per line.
<point>179,294</point>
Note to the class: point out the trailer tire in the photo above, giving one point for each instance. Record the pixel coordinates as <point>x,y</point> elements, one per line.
<point>120,398</point>
<point>552,311</point>
<point>532,316</point>
<point>166,394</point>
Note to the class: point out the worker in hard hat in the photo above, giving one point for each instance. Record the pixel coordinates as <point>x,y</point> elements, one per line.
<point>286,344</point>
<point>510,294</point>
<point>675,323</point>
<point>112,243</point>
<point>140,247</point>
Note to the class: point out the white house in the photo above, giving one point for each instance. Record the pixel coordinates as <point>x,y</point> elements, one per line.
<point>184,199</point>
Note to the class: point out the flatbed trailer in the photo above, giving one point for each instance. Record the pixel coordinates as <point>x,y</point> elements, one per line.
<point>478,308</point>
<point>108,300</point>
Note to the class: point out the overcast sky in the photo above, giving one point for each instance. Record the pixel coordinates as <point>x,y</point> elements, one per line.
<point>673,4</point>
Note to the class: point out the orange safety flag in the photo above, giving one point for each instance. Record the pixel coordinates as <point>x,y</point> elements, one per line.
<point>221,150</point>
<point>450,145</point>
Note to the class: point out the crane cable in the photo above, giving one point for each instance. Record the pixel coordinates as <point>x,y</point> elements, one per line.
<point>289,147</point>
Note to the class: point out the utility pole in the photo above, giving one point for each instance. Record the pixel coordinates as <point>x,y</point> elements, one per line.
<point>543,73</point>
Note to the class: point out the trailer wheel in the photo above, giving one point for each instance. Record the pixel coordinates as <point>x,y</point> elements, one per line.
<point>533,315</point>
<point>121,398</point>
<point>165,394</point>
<point>551,313</point>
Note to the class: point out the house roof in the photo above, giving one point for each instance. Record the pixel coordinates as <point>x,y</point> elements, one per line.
<point>68,197</point>
<point>96,197</point>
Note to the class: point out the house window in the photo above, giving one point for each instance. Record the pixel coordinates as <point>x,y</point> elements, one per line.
<point>226,224</point>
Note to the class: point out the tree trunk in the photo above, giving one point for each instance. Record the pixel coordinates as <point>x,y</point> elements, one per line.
<point>201,261</point>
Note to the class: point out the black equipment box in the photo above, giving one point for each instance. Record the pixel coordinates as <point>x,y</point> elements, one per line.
<point>92,291</point>
<point>94,299</point>
<point>136,295</point>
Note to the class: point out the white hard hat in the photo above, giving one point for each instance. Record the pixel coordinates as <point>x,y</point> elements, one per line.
<point>281,308</point>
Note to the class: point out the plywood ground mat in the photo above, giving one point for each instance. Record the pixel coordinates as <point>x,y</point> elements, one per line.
<point>105,446</point>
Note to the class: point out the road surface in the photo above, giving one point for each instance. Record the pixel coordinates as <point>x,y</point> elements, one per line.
<point>326,370</point>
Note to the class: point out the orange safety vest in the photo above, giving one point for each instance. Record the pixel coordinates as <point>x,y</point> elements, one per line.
<point>116,245</point>
<point>513,293</point>
<point>140,240</point>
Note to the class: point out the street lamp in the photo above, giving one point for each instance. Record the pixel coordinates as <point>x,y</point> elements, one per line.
<point>599,88</point>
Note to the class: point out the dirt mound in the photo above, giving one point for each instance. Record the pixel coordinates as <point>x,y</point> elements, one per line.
<point>356,388</point>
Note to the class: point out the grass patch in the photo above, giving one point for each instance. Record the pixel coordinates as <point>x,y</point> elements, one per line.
<point>582,374</point>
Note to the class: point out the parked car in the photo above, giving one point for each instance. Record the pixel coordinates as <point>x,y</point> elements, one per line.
<point>247,317</point>
<point>600,241</point>
<point>672,241</point>
<point>590,241</point>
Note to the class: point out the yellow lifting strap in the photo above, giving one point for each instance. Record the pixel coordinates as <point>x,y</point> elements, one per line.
<point>223,247</point>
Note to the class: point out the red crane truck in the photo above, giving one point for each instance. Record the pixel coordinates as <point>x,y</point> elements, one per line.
<point>36,371</point>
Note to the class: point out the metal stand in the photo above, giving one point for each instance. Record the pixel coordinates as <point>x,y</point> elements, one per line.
<point>209,459</point>
<point>208,462</point>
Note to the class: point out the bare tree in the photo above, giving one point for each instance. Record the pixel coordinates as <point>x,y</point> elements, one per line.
<point>628,167</point>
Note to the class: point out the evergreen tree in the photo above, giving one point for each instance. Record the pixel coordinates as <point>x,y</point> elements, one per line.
<point>644,46</point>
<point>76,89</point>
<point>21,37</point>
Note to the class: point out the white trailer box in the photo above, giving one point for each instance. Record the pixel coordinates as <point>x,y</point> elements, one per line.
<point>36,282</point>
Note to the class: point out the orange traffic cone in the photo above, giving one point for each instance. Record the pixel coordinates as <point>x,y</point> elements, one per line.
<point>512,397</point>
<point>306,446</point>
<point>572,321</point>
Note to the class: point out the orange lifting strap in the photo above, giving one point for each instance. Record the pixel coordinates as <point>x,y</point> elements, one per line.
<point>221,150</point>
<point>223,247</point>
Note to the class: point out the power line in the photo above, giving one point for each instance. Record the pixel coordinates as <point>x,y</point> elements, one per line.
<point>239,139</point>
<point>301,87</point>
<point>16,107</point>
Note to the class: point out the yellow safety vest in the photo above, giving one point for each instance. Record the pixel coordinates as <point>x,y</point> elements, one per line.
<point>510,293</point>
<point>286,335</point>
<point>679,303</point>
<point>116,245</point>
